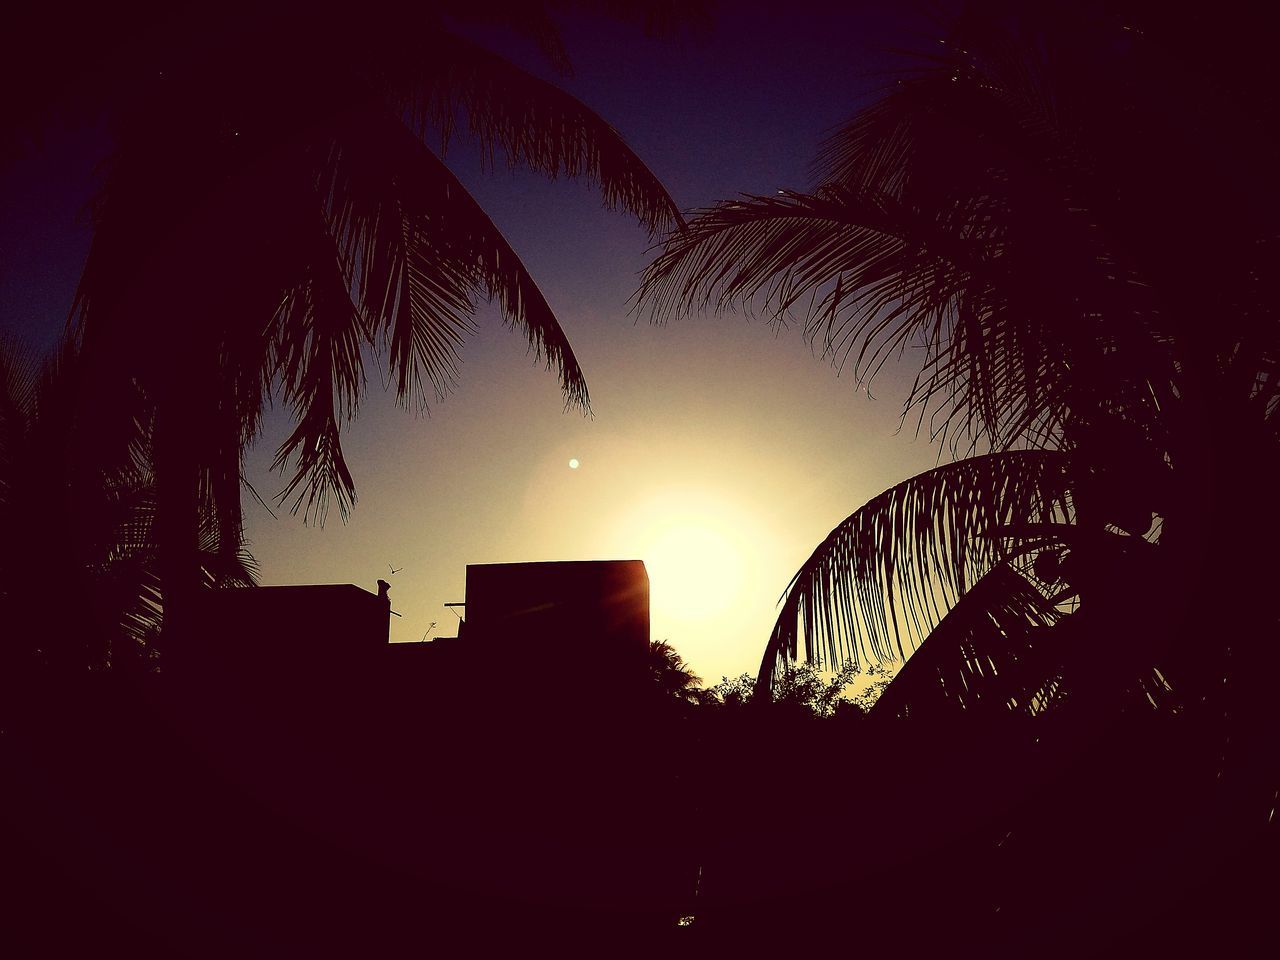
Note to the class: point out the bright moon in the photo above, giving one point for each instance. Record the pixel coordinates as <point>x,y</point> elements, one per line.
<point>573,464</point>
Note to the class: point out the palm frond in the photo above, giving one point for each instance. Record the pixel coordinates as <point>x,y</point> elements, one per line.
<point>19,379</point>
<point>318,357</point>
<point>991,654</point>
<point>968,117</point>
<point>530,20</point>
<point>224,562</point>
<point>849,244</point>
<point>451,83</point>
<point>967,211</point>
<point>873,276</point>
<point>668,669</point>
<point>127,581</point>
<point>1008,342</point>
<point>886,576</point>
<point>418,250</point>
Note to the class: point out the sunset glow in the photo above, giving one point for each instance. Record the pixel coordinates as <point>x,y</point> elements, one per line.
<point>728,477</point>
<point>701,551</point>
<point>717,450</point>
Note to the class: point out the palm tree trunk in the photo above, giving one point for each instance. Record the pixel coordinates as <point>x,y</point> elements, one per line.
<point>177,520</point>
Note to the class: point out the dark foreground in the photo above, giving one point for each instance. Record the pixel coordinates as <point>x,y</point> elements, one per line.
<point>152,818</point>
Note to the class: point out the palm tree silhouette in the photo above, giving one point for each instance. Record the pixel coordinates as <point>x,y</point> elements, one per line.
<point>1088,275</point>
<point>78,581</point>
<point>274,210</point>
<point>669,672</point>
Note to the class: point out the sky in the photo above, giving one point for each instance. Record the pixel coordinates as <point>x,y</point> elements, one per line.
<point>718,450</point>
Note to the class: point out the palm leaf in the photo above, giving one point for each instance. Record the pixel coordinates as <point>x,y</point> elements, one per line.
<point>19,378</point>
<point>991,654</point>
<point>318,358</point>
<point>127,581</point>
<point>849,244</point>
<point>418,250</point>
<point>970,116</point>
<point>886,576</point>
<point>874,275</point>
<point>530,20</point>
<point>965,213</point>
<point>965,280</point>
<point>450,83</point>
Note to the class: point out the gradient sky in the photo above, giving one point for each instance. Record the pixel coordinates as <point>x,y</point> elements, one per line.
<point>720,451</point>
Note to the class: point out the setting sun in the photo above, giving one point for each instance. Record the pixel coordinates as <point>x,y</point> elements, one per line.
<point>695,570</point>
<point>699,552</point>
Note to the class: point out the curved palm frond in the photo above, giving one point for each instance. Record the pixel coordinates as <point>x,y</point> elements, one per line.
<point>853,246</point>
<point>19,379</point>
<point>318,357</point>
<point>531,122</point>
<point>978,114</point>
<point>991,654</point>
<point>885,577</point>
<point>267,220</point>
<point>397,259</point>
<point>968,211</point>
<point>417,249</point>
<point>533,21</point>
<point>874,275</point>
<point>407,254</point>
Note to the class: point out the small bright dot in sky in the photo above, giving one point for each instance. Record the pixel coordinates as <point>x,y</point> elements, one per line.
<point>573,464</point>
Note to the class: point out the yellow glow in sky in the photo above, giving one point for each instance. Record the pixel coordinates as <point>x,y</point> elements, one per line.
<point>717,451</point>
<point>694,546</point>
<point>720,468</point>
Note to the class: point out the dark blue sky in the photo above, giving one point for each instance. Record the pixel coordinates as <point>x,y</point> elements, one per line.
<point>739,109</point>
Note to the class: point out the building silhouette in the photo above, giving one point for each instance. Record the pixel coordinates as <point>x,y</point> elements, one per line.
<point>271,628</point>
<point>550,625</point>
<point>555,623</point>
